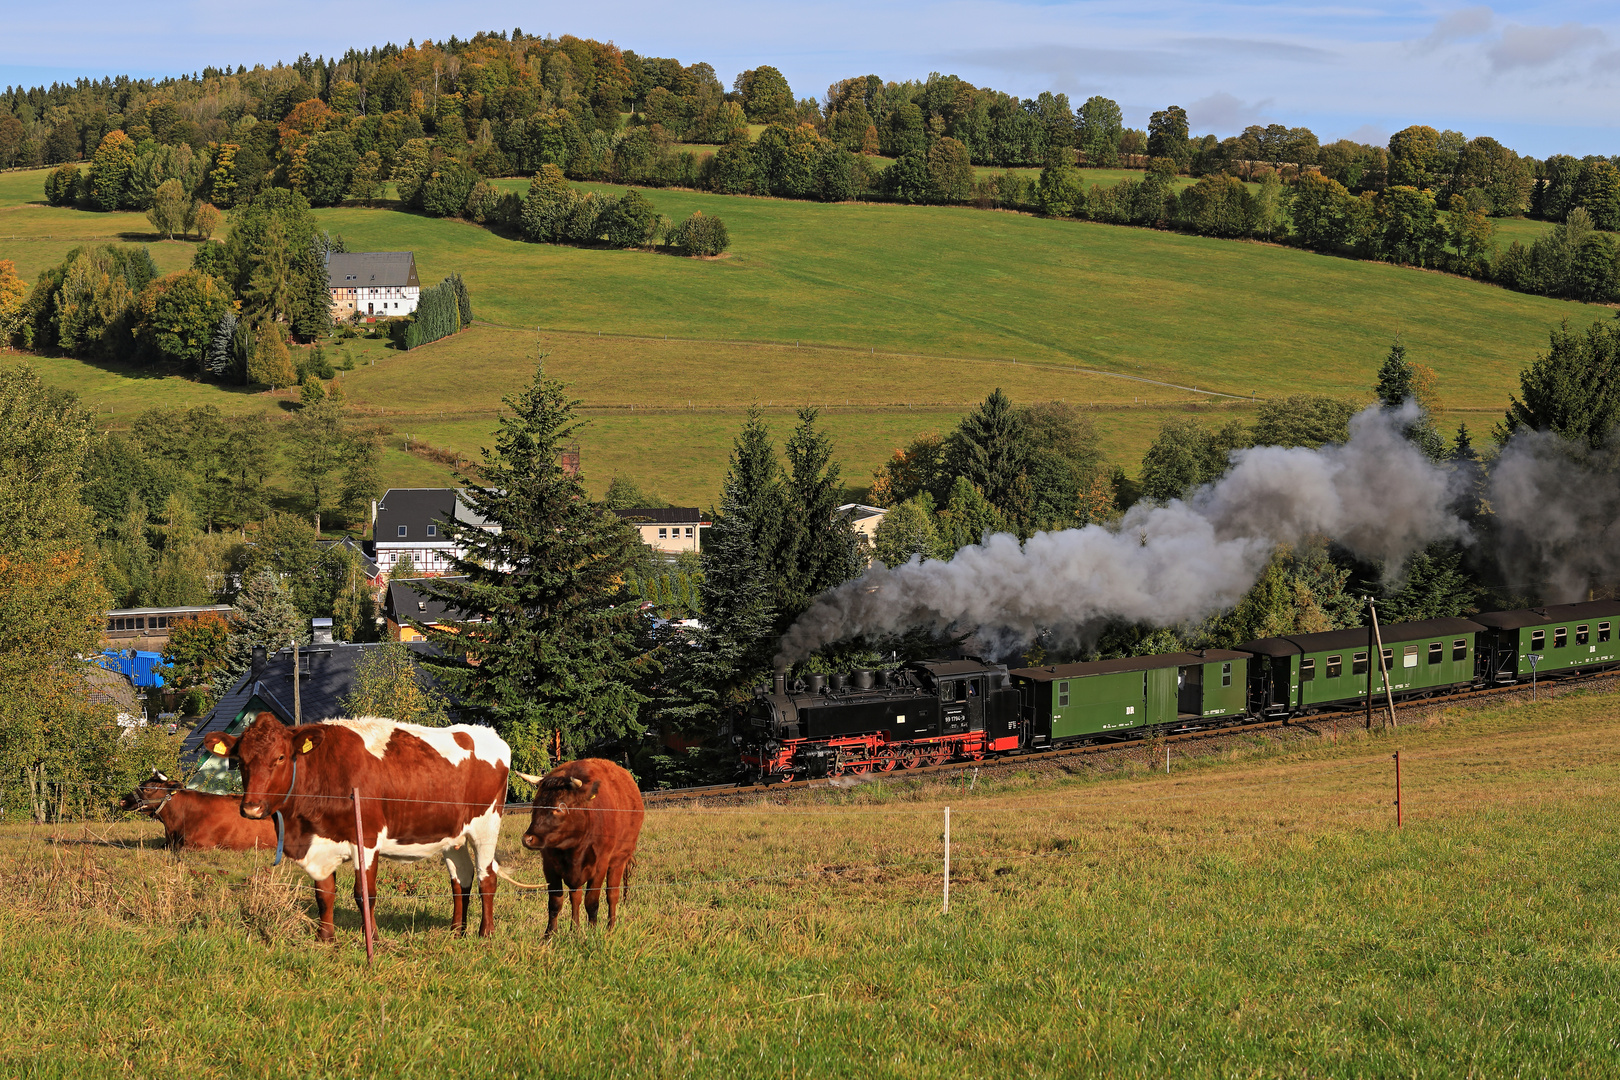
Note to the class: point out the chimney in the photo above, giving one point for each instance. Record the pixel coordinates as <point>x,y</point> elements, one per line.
<point>257,668</point>
<point>781,684</point>
<point>320,631</point>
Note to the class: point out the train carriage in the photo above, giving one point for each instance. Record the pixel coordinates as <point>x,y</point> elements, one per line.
<point>1565,637</point>
<point>1116,697</point>
<point>1305,673</point>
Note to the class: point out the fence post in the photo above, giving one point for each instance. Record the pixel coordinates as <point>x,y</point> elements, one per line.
<point>1397,756</point>
<point>945,909</point>
<point>368,927</point>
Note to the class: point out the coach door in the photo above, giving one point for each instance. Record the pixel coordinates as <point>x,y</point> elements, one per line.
<point>961,703</point>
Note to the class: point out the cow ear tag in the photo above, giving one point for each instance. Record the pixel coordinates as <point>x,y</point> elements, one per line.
<point>307,747</point>
<point>219,748</point>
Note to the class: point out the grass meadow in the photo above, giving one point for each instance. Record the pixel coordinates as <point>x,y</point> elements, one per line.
<point>945,303</point>
<point>1253,913</point>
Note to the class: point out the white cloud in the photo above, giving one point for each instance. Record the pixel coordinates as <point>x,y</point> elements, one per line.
<point>1224,114</point>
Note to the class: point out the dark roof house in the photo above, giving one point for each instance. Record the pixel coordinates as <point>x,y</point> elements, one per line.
<point>371,269</point>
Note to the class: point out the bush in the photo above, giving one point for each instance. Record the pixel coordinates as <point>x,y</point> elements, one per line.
<point>446,191</point>
<point>701,234</point>
<point>630,222</point>
<point>62,185</point>
<point>482,203</point>
<point>438,315</point>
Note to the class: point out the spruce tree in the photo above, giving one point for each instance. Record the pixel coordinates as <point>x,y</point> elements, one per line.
<point>1394,377</point>
<point>992,449</point>
<point>264,616</point>
<point>547,643</point>
<point>818,547</point>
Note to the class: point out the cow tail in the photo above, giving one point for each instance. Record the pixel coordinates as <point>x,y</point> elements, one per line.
<point>516,882</point>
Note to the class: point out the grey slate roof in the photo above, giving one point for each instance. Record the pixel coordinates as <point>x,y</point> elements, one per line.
<point>406,602</point>
<point>325,678</point>
<point>371,269</point>
<point>664,515</point>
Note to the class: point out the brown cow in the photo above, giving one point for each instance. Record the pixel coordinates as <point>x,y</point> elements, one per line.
<point>424,792</point>
<point>586,819</point>
<point>197,819</point>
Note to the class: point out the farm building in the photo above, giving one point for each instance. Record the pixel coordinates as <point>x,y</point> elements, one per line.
<point>406,603</point>
<point>148,628</point>
<point>372,284</point>
<point>668,530</point>
<point>410,521</point>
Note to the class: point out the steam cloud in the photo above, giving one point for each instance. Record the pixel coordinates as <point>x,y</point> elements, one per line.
<point>1553,521</point>
<point>1376,494</point>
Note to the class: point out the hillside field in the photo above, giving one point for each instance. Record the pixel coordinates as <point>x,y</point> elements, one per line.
<point>941,301</point>
<point>1254,912</point>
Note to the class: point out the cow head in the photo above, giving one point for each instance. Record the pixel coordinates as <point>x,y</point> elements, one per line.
<point>265,753</point>
<point>561,807</point>
<point>149,794</point>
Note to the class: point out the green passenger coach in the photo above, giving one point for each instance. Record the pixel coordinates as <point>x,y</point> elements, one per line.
<point>1563,636</point>
<point>1307,672</point>
<point>1107,697</point>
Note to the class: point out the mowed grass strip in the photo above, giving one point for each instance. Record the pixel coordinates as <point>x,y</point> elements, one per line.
<point>1253,913</point>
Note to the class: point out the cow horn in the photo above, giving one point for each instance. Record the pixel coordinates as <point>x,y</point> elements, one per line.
<point>574,781</point>
<point>527,778</point>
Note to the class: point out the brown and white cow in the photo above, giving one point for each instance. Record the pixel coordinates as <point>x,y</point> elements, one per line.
<point>586,819</point>
<point>198,819</point>
<point>424,792</point>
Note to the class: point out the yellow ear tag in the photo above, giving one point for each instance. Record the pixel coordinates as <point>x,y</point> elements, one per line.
<point>307,747</point>
<point>219,748</point>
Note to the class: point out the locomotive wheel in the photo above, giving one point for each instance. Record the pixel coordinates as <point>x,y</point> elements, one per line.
<point>859,768</point>
<point>886,760</point>
<point>910,758</point>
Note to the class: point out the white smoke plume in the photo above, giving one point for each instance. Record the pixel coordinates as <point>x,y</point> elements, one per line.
<point>1555,513</point>
<point>1377,495</point>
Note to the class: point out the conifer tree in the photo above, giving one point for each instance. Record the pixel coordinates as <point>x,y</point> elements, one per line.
<point>546,643</point>
<point>818,548</point>
<point>264,616</point>
<point>1398,380</point>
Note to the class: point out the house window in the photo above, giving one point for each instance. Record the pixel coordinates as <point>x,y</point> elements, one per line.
<point>1358,663</point>
<point>1335,667</point>
<point>1226,674</point>
<point>1437,652</point>
<point>1538,640</point>
<point>1459,649</point>
<point>1603,631</point>
<point>1582,634</point>
<point>688,533</point>
<point>1560,637</point>
<point>663,534</point>
<point>1409,657</point>
<point>1307,669</point>
<point>1063,695</point>
<point>433,530</point>
<point>402,531</point>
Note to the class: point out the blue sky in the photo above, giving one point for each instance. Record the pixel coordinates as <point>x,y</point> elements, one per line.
<point>1540,77</point>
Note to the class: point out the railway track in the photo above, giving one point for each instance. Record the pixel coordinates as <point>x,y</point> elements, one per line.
<point>1309,723</point>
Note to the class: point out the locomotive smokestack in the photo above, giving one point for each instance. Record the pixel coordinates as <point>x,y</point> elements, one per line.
<point>781,684</point>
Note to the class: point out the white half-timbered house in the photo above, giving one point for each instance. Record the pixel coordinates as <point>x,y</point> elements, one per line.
<point>374,284</point>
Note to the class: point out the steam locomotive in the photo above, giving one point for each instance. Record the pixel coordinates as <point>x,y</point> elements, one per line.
<point>932,711</point>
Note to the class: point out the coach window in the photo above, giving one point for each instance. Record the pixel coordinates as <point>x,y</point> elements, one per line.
<point>1335,666</point>
<point>1307,669</point>
<point>1560,637</point>
<point>1459,649</point>
<point>1389,659</point>
<point>1409,657</point>
<point>1538,640</point>
<point>1437,652</point>
<point>1582,634</point>
<point>1358,663</point>
<point>1226,674</point>
<point>1063,695</point>
<point>1603,631</point>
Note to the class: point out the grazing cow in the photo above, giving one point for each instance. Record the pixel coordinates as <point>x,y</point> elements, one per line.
<point>423,792</point>
<point>586,819</point>
<point>197,819</point>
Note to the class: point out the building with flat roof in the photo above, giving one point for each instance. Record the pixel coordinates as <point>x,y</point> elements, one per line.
<point>668,530</point>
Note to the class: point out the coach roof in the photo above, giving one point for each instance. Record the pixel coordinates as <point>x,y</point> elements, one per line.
<point>1555,613</point>
<point>1130,663</point>
<point>1298,644</point>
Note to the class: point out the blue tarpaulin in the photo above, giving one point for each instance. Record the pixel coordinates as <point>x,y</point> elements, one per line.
<point>141,667</point>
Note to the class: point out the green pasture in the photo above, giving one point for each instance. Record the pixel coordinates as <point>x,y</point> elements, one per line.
<point>1254,913</point>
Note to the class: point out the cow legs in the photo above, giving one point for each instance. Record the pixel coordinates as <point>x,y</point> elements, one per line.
<point>460,865</point>
<point>615,891</point>
<point>325,901</point>
<point>486,887</point>
<point>554,898</point>
<point>593,899</point>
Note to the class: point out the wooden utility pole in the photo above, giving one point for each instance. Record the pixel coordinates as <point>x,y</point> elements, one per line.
<point>298,705</point>
<point>1367,722</point>
<point>1378,640</point>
